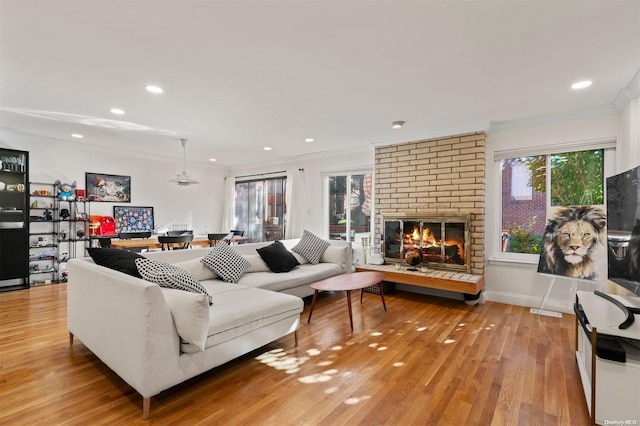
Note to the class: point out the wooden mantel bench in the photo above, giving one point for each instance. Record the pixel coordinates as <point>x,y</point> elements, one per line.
<point>460,282</point>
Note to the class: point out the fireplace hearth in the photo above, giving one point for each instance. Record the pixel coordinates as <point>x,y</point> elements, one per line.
<point>437,240</point>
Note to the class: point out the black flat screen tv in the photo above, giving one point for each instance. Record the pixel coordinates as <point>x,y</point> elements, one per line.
<point>133,219</point>
<point>623,229</point>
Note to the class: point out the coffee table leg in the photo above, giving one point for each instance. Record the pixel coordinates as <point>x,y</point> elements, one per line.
<point>313,302</point>
<point>349,304</point>
<point>382,296</point>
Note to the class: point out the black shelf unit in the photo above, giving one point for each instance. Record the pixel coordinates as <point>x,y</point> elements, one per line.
<point>14,225</point>
<point>42,235</point>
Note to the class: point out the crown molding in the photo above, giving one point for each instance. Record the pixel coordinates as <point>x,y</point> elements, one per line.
<point>630,92</point>
<point>499,126</point>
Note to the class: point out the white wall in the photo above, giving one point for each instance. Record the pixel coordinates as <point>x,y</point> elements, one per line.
<point>199,205</point>
<point>519,283</point>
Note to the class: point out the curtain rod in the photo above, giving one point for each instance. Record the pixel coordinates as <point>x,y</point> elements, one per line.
<point>264,174</point>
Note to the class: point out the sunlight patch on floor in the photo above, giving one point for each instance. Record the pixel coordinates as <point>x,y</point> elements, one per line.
<point>324,363</point>
<point>313,352</point>
<point>279,360</point>
<point>447,341</point>
<point>356,399</point>
<point>336,348</point>
<point>398,364</point>
<point>376,334</point>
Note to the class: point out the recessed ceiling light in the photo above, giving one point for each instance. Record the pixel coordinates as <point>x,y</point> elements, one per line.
<point>212,159</point>
<point>309,140</point>
<point>153,89</point>
<point>581,84</point>
<point>77,135</point>
<point>267,148</point>
<point>397,124</point>
<point>117,111</point>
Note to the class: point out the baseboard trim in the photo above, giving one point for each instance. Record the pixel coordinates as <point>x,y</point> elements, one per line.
<point>528,301</point>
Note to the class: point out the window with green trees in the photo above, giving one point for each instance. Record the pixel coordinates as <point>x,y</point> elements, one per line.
<point>530,184</point>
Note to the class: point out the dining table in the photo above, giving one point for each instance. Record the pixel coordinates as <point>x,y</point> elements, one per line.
<point>153,243</point>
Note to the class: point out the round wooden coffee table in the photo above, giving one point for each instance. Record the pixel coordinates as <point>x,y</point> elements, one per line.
<point>346,283</point>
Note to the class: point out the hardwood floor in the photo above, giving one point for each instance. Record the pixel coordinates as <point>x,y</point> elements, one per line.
<point>427,361</point>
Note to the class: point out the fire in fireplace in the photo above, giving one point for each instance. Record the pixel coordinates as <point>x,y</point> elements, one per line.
<point>437,240</point>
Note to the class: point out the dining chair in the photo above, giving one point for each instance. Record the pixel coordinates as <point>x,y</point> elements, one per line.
<point>237,232</point>
<point>219,238</point>
<point>134,235</point>
<point>131,235</point>
<point>175,242</point>
<point>177,233</point>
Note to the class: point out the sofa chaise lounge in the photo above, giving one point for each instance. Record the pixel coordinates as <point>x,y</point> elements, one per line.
<point>138,328</point>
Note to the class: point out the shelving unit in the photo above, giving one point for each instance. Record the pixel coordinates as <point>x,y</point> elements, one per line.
<point>14,211</point>
<point>72,231</point>
<point>43,247</point>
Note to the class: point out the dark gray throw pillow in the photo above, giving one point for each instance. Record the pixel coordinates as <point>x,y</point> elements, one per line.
<point>119,260</point>
<point>277,257</point>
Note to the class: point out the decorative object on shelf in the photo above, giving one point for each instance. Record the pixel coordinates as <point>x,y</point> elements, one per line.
<point>183,179</point>
<point>64,214</point>
<point>376,259</point>
<point>108,188</point>
<point>66,191</point>
<point>46,215</point>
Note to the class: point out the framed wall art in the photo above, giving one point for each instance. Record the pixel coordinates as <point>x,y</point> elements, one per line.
<point>108,188</point>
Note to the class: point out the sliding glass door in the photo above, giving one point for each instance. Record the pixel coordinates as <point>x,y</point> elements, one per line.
<point>260,208</point>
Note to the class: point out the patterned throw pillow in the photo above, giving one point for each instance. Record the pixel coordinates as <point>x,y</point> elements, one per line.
<point>311,247</point>
<point>226,263</point>
<point>278,257</point>
<point>169,276</point>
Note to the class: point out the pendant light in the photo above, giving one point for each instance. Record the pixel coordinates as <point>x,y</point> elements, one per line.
<point>183,179</point>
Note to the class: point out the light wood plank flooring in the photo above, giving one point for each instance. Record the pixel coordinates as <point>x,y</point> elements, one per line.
<point>427,361</point>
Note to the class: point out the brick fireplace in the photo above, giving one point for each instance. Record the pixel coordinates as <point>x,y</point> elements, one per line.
<point>441,176</point>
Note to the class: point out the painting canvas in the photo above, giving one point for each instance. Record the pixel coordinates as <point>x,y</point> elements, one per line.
<point>108,188</point>
<point>574,243</point>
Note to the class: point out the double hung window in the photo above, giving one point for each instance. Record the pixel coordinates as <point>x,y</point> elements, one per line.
<point>529,183</point>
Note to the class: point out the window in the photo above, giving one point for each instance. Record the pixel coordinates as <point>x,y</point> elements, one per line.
<point>529,184</point>
<point>260,208</point>
<point>349,205</point>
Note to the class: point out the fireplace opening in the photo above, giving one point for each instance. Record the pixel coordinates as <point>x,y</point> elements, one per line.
<point>441,241</point>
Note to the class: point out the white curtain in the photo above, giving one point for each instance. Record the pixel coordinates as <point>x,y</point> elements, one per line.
<point>229,212</point>
<point>296,204</point>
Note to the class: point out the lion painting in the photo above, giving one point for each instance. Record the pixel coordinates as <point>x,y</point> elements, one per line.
<point>570,239</point>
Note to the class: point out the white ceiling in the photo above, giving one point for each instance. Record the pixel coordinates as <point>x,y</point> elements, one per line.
<point>241,75</point>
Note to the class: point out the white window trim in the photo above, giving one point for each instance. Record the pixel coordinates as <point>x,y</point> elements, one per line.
<point>497,255</point>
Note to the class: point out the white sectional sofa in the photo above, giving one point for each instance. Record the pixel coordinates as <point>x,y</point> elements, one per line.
<point>145,333</point>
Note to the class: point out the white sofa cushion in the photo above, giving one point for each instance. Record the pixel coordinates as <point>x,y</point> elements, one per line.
<point>226,263</point>
<point>169,276</point>
<point>244,309</point>
<point>256,264</point>
<point>300,276</point>
<point>196,268</point>
<point>190,312</point>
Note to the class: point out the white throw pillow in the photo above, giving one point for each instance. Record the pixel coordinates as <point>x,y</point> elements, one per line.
<point>256,264</point>
<point>311,247</point>
<point>169,276</point>
<point>190,312</point>
<point>196,268</point>
<point>226,263</point>
<point>334,255</point>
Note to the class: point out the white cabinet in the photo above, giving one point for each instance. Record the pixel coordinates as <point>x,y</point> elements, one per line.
<point>613,385</point>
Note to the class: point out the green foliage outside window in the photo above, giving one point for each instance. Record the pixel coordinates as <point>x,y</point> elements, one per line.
<point>576,177</point>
